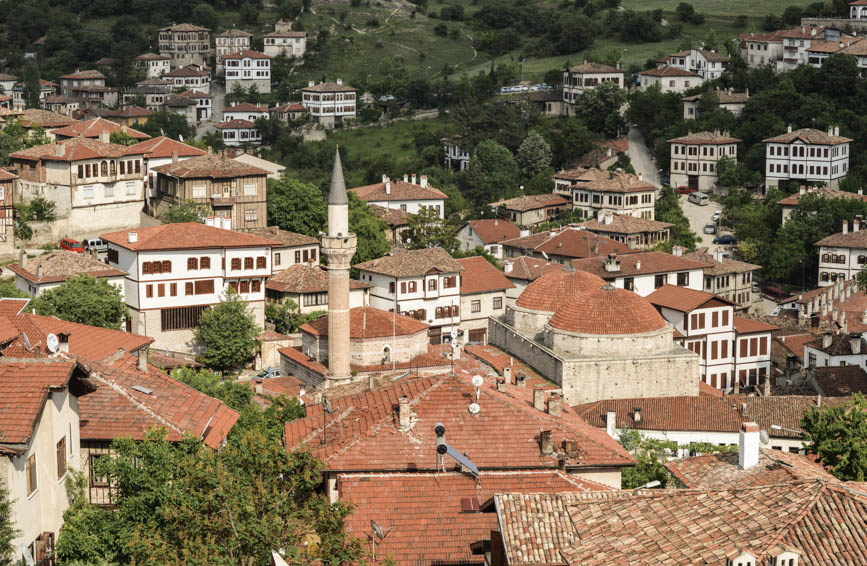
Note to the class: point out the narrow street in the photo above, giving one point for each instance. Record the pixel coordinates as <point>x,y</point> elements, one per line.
<point>217,91</point>
<point>642,160</point>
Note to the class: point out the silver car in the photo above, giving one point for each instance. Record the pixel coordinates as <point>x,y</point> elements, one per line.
<point>710,228</point>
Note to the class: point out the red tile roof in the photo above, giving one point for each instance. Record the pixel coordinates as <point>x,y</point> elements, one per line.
<point>305,278</point>
<point>841,381</point>
<point>555,289</point>
<point>74,149</point>
<point>285,237</point>
<point>162,146</point>
<point>480,276</point>
<point>638,264</point>
<point>705,137</point>
<point>795,342</point>
<point>185,236</point>
<point>748,326</point>
<point>24,388</point>
<point>246,107</point>
<point>188,71</point>
<point>827,192</point>
<point>809,136</point>
<point>369,322</point>
<point>210,165</point>
<point>686,526</point>
<point>361,435</point>
<point>32,117</point>
<point>399,190</point>
<point>705,389</point>
<point>129,112</point>
<point>531,202</point>
<point>6,175</point>
<point>289,107</point>
<point>89,74</point>
<point>246,53</point>
<point>327,86</point>
<point>684,299</point>
<point>411,263</point>
<point>529,268</point>
<point>10,306</point>
<point>681,413</point>
<point>625,224</point>
<point>667,72</point>
<point>95,128</point>
<point>494,230</point>
<point>235,124</point>
<point>569,242</point>
<point>58,266</point>
<point>720,471</point>
<point>607,311</point>
<point>435,518</point>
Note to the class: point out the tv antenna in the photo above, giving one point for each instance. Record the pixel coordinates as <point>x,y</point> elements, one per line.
<point>443,450</point>
<point>52,343</point>
<point>378,534</point>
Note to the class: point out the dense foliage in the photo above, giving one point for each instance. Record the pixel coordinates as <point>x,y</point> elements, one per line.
<point>227,332</point>
<point>837,434</point>
<point>86,300</point>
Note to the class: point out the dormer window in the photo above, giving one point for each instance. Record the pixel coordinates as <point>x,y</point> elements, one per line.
<point>787,557</point>
<point>741,558</point>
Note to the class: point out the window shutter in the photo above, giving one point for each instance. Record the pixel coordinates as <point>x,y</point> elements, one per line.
<point>188,288</point>
<point>146,268</point>
<point>167,266</point>
<point>205,263</point>
<point>260,262</point>
<point>191,263</point>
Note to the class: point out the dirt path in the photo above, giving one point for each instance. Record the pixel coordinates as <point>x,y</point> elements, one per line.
<point>642,160</point>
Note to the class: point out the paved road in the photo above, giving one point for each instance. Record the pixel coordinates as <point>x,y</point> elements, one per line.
<point>218,103</point>
<point>642,160</point>
<point>699,216</point>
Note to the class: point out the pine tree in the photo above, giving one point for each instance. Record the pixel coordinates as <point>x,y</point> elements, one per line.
<point>8,532</point>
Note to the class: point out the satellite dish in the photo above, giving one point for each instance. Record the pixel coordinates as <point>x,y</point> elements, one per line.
<point>478,380</point>
<point>52,343</point>
<point>764,438</point>
<point>474,408</point>
<point>377,530</point>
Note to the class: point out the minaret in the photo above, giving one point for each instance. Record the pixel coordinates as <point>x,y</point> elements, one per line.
<point>338,247</point>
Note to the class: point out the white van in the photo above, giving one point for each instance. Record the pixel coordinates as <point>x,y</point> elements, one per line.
<point>699,199</point>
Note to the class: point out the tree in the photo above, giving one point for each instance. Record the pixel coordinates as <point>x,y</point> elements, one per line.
<point>599,108</point>
<point>427,230</point>
<point>205,16</point>
<point>534,155</point>
<point>296,206</point>
<point>122,138</point>
<point>492,174</point>
<point>42,210</point>
<point>32,87</point>
<point>249,14</point>
<point>685,11</point>
<point>186,211</point>
<point>837,434</point>
<point>648,454</point>
<point>287,316</point>
<point>169,124</point>
<point>86,300</point>
<point>8,289</point>
<point>668,209</point>
<point>233,393</point>
<point>369,229</point>
<point>228,333</point>
<point>8,532</point>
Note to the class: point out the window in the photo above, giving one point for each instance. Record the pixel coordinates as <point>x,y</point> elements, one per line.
<point>276,258</point>
<point>166,266</point>
<point>724,349</point>
<point>204,287</point>
<point>61,458</point>
<point>315,299</point>
<point>248,263</point>
<point>108,190</point>
<point>725,317</point>
<point>475,306</point>
<point>403,287</point>
<point>754,346</point>
<point>683,279</point>
<point>763,345</point>
<point>432,285</point>
<point>250,216</point>
<point>660,280</point>
<point>714,319</point>
<point>149,291</point>
<point>173,289</point>
<point>192,263</point>
<point>88,191</point>
<point>122,168</point>
<point>113,256</point>
<point>188,288</point>
<point>245,287</point>
<point>260,262</point>
<point>498,303</point>
<point>204,262</point>
<point>256,286</point>
<point>250,189</point>
<point>450,282</point>
<point>181,318</point>
<point>198,191</point>
<point>130,188</point>
<point>391,287</point>
<point>161,290</point>
<point>31,474</point>
<point>236,264</point>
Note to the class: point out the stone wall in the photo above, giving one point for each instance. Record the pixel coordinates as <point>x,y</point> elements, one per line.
<point>844,24</point>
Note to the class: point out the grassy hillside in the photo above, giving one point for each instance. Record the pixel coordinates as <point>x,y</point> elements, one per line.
<point>719,7</point>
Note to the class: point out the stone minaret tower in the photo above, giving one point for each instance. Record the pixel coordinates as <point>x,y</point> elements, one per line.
<point>338,247</point>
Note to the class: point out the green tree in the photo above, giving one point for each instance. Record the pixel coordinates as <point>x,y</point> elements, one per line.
<point>534,155</point>
<point>8,289</point>
<point>42,210</point>
<point>205,16</point>
<point>228,332</point>
<point>668,209</point>
<point>186,211</point>
<point>599,108</point>
<point>32,87</point>
<point>169,124</point>
<point>8,531</point>
<point>233,393</point>
<point>86,300</point>
<point>296,206</point>
<point>249,14</point>
<point>122,138</point>
<point>287,316</point>
<point>492,174</point>
<point>369,229</point>
<point>428,230</point>
<point>649,455</point>
<point>837,434</point>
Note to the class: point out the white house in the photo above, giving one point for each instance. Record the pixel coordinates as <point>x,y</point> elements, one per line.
<point>191,77</point>
<point>760,49</point>
<point>248,68</point>
<point>694,158</point>
<point>708,65</point>
<point>287,43</point>
<point>587,76</point>
<point>668,79</point>
<point>238,132</point>
<point>483,294</point>
<point>330,103</point>
<point>407,194</point>
<point>645,272</point>
<point>47,271</point>
<point>457,155</point>
<point>724,99</point>
<point>593,191</point>
<point>153,64</point>
<point>842,255</point>
<point>244,111</point>
<point>730,348</point>
<point>293,248</point>
<point>424,284</point>
<point>806,156</point>
<point>307,285</point>
<point>834,350</point>
<point>176,271</point>
<point>796,43</point>
<point>487,234</point>
<point>204,103</point>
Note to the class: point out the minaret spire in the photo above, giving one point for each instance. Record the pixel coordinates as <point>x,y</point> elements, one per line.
<point>337,194</point>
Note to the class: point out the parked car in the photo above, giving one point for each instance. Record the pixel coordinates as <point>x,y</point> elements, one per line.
<point>684,190</point>
<point>268,373</point>
<point>726,240</point>
<point>95,244</point>
<point>700,199</point>
<point>716,215</point>
<point>710,228</point>
<point>71,245</point>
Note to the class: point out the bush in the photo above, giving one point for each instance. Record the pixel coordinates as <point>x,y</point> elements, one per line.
<point>441,30</point>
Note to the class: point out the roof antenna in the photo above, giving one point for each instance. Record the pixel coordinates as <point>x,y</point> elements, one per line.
<point>379,534</point>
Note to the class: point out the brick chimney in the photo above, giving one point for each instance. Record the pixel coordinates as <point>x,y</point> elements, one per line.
<point>546,438</point>
<point>748,445</point>
<point>555,404</point>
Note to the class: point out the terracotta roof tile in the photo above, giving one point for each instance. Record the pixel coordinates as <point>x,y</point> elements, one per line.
<point>188,71</point>
<point>705,138</point>
<point>529,268</point>
<point>435,518</point>
<point>493,230</point>
<point>246,107</point>
<point>209,165</point>
<point>234,32</point>
<point>481,277</point>
<point>795,342</point>
<point>626,224</point>
<point>827,192</point>
<point>409,263</point>
<point>394,217</point>
<point>369,322</point>
<point>184,27</point>
<point>287,238</point>
<point>328,87</point>
<point>6,175</point>
<point>152,57</point>
<point>10,306</point>
<point>684,299</point>
<point>553,290</point>
<point>678,413</point>
<point>245,54</point>
<point>667,72</point>
<point>725,267</point>
<point>185,235</point>
<point>569,242</point>
<point>57,266</point>
<point>24,389</point>
<point>593,67</point>
<point>235,124</point>
<point>809,136</point>
<point>74,149</point>
<point>162,146</point>
<point>531,202</point>
<point>360,433</point>
<point>399,190</point>
<point>841,381</point>
<point>605,181</point>
<point>286,34</point>
<point>638,264</point>
<point>301,278</point>
<point>749,326</point>
<point>89,74</point>
<point>95,127</point>
<point>289,107</point>
<point>607,311</point>
<point>129,112</point>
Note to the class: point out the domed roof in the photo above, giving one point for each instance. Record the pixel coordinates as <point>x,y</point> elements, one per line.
<point>607,310</point>
<point>553,290</point>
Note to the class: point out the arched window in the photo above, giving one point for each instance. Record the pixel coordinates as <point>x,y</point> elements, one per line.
<point>103,168</point>
<point>113,168</point>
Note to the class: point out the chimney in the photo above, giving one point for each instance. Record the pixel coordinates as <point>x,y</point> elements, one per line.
<point>857,224</point>
<point>827,338</point>
<point>507,268</point>
<point>676,251</point>
<point>311,83</point>
<point>59,150</point>
<point>836,130</point>
<point>413,178</point>
<point>22,261</point>
<point>638,265</point>
<point>547,442</point>
<point>385,178</point>
<point>845,226</point>
<point>737,386</point>
<point>132,237</point>
<point>403,413</point>
<point>555,404</point>
<point>210,149</point>
<point>520,380</point>
<point>423,181</point>
<point>748,446</point>
<point>609,219</point>
<point>507,374</point>
<point>259,387</point>
<point>747,92</point>
<point>636,415</point>
<point>844,326</point>
<point>861,191</point>
<point>39,271</point>
<point>174,157</point>
<point>612,265</point>
<point>718,255</point>
<point>864,317</point>
<point>104,136</point>
<point>63,341</point>
<point>142,359</point>
<point>501,384</point>
<point>388,187</point>
<point>640,176</point>
<point>340,81</point>
<point>790,129</point>
<point>855,343</point>
<point>830,130</point>
<point>611,423</point>
<point>538,398</point>
<point>405,178</point>
<point>802,190</point>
